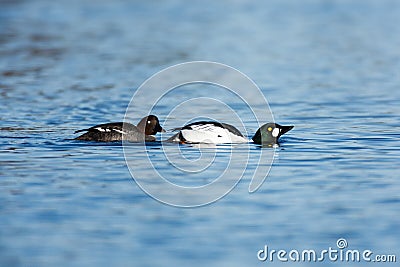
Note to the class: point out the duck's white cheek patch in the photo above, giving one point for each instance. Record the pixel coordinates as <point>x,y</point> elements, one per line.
<point>275,132</point>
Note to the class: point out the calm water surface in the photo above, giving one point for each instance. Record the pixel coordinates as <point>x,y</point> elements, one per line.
<point>331,68</point>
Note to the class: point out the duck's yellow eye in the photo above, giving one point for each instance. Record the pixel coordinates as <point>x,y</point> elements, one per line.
<point>269,129</point>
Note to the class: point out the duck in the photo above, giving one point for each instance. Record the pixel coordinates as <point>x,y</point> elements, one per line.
<point>213,132</point>
<point>118,131</point>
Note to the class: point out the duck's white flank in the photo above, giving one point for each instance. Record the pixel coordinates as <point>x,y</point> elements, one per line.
<point>101,129</point>
<point>211,134</point>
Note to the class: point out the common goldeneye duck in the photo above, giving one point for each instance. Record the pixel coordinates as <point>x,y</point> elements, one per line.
<point>269,133</point>
<point>222,133</point>
<point>116,131</point>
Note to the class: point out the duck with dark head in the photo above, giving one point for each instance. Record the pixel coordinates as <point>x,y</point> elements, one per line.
<point>118,131</point>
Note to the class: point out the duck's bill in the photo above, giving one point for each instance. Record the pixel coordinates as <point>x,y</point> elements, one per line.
<point>285,129</point>
<point>159,129</point>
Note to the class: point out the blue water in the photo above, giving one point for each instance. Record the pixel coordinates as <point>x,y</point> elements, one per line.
<point>331,68</point>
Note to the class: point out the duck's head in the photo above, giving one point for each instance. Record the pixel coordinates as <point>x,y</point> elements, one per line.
<point>150,125</point>
<point>269,133</point>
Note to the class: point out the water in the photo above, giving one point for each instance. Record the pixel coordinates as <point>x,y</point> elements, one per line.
<point>331,68</point>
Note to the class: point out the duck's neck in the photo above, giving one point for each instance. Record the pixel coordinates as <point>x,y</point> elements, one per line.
<point>142,125</point>
<point>257,137</point>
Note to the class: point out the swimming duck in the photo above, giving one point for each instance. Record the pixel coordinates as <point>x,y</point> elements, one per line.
<point>116,131</point>
<point>220,133</point>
